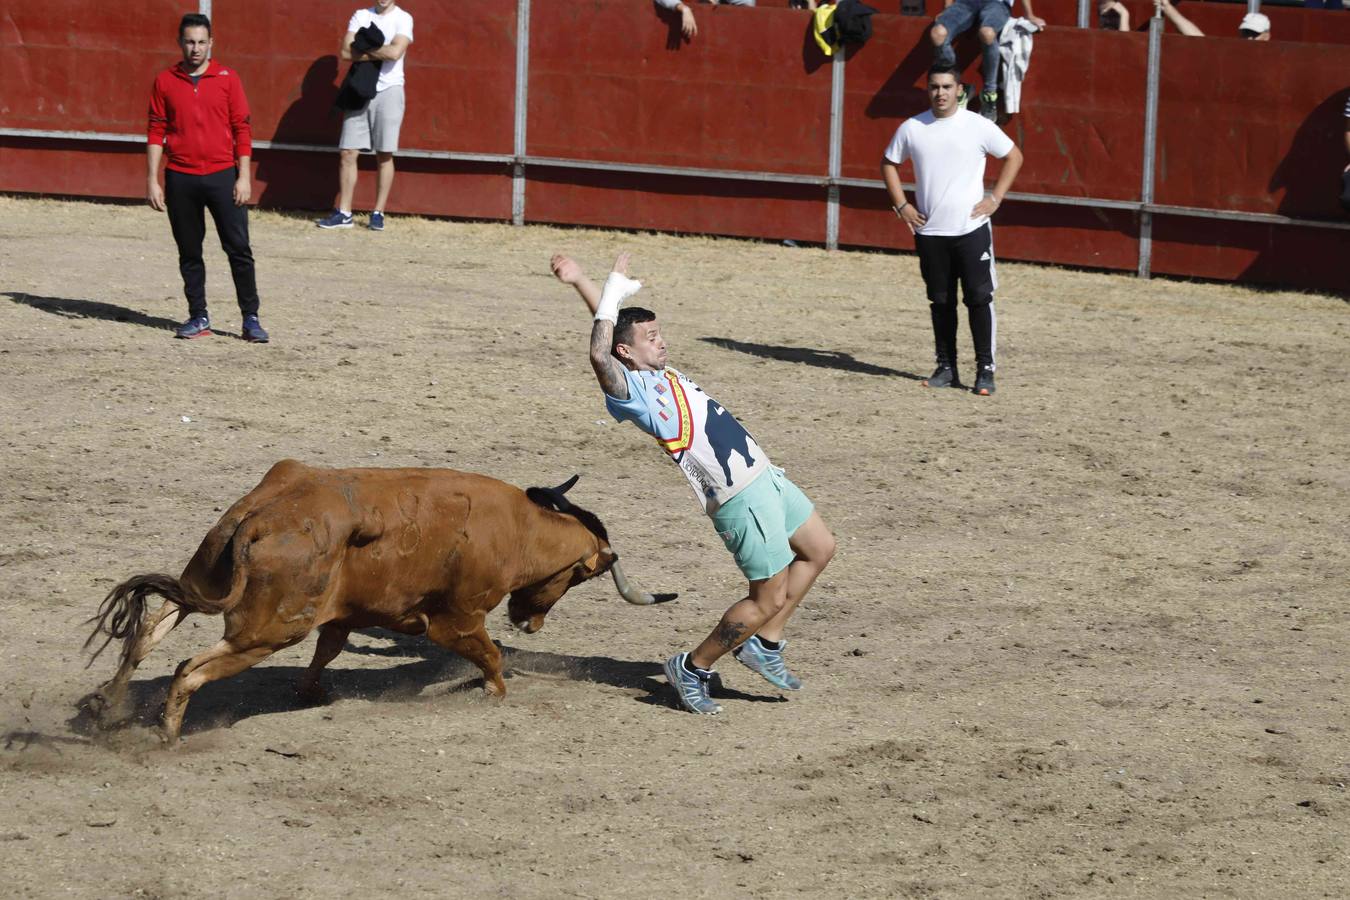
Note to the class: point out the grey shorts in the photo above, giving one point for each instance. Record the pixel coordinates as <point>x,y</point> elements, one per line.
<point>376,126</point>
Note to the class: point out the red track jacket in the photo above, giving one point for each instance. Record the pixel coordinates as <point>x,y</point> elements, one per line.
<point>204,127</point>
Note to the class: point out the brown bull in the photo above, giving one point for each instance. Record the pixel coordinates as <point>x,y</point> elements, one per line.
<point>420,551</point>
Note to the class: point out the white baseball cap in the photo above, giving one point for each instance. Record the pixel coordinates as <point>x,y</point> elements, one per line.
<point>1257,23</point>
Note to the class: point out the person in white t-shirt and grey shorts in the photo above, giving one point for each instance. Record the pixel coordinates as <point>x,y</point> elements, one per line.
<point>376,126</point>
<point>950,218</point>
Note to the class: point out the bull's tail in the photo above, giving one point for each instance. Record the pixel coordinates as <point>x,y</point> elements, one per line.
<point>121,616</point>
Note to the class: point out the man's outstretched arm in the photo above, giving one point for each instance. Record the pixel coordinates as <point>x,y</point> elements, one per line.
<point>607,369</point>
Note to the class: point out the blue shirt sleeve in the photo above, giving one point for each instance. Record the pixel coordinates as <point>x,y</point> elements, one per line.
<point>635,409</point>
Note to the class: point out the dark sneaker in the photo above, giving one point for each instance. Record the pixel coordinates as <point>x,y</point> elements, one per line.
<point>984,382</point>
<point>253,331</point>
<point>989,105</point>
<point>335,219</point>
<point>943,376</point>
<point>376,222</point>
<point>767,663</point>
<point>195,327</point>
<point>691,690</point>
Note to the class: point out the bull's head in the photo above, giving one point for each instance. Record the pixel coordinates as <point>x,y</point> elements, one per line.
<point>528,605</point>
<point>527,613</point>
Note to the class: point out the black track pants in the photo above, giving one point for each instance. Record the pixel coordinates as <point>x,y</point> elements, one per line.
<point>187,198</point>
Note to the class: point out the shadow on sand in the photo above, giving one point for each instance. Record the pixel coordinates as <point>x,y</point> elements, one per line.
<point>70,308</point>
<point>268,690</point>
<point>825,359</point>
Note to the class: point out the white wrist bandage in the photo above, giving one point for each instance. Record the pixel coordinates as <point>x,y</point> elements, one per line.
<point>618,288</point>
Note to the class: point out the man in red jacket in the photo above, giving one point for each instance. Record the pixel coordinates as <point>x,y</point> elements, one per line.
<point>199,114</point>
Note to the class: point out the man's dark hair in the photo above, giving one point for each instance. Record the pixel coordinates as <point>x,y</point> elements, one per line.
<point>944,69</point>
<point>194,20</point>
<point>628,317</point>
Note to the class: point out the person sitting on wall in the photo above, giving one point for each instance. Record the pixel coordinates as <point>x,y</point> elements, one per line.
<point>1114,16</point>
<point>1345,173</point>
<point>1253,27</point>
<point>990,15</point>
<point>688,27</point>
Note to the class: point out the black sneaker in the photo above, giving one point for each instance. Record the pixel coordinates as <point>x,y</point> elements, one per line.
<point>943,376</point>
<point>253,331</point>
<point>984,382</point>
<point>195,327</point>
<point>989,105</point>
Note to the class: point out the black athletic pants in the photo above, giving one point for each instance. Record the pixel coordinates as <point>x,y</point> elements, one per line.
<point>967,259</point>
<point>187,198</point>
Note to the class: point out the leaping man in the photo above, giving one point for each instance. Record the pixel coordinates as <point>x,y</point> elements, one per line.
<point>778,539</point>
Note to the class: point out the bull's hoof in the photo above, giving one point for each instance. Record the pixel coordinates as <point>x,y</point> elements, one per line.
<point>167,737</point>
<point>106,712</point>
<point>494,689</point>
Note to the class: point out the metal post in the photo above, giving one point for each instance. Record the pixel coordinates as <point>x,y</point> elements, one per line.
<point>1155,29</point>
<point>1084,13</point>
<point>204,7</point>
<point>522,110</point>
<point>1253,6</point>
<point>836,149</point>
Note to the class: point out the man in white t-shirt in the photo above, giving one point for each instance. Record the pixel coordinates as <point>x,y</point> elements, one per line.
<point>778,539</point>
<point>374,127</point>
<point>950,218</point>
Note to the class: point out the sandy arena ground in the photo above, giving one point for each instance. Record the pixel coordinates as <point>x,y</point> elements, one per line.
<point>1084,639</point>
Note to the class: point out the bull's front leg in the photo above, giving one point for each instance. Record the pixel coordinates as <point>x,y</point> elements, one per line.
<point>467,635</point>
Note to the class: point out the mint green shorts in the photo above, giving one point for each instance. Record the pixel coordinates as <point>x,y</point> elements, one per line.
<point>756,523</point>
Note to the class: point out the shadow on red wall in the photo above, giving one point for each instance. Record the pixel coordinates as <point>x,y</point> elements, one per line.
<point>310,119</point>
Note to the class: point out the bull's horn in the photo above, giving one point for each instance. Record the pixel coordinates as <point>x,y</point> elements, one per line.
<point>633,592</point>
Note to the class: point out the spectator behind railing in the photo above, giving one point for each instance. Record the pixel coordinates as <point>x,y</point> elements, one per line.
<point>1113,16</point>
<point>1253,27</point>
<point>990,15</point>
<point>688,27</point>
<point>1345,173</point>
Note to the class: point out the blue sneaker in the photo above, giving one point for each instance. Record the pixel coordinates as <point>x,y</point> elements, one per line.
<point>376,221</point>
<point>768,663</point>
<point>336,219</point>
<point>253,331</point>
<point>195,327</point>
<point>690,689</point>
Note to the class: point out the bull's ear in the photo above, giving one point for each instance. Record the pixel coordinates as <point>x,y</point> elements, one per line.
<point>598,562</point>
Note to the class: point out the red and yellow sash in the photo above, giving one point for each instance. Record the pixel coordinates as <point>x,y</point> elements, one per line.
<point>685,437</point>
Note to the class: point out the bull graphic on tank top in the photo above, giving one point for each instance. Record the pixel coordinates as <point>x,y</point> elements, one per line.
<point>715,452</point>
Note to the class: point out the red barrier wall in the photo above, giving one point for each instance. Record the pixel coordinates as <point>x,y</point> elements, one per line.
<point>70,65</point>
<point>741,96</point>
<point>1243,125</point>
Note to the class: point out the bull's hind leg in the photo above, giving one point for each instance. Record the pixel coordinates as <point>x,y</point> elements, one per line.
<point>332,638</point>
<point>112,696</point>
<point>470,640</point>
<point>221,661</point>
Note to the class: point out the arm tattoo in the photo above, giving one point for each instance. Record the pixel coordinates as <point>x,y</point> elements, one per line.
<point>607,369</point>
<point>730,634</point>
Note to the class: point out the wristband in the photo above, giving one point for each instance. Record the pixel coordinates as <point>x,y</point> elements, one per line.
<point>618,288</point>
<point>901,208</point>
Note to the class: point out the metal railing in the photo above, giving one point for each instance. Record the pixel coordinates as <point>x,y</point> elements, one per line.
<point>519,160</point>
